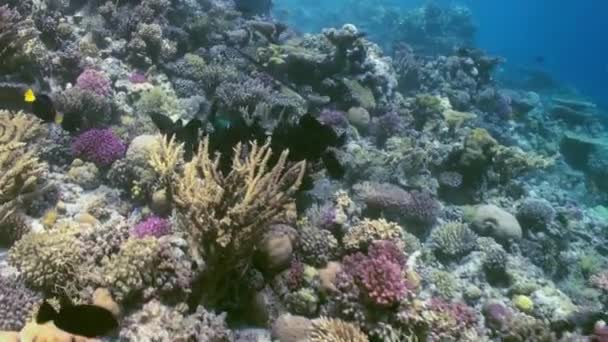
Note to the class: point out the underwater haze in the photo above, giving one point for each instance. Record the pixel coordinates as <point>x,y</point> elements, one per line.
<point>303,171</point>
<point>568,35</point>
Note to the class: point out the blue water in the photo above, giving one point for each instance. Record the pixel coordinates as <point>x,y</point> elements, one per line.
<point>569,34</point>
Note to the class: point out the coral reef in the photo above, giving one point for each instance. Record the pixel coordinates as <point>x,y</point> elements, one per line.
<point>462,206</point>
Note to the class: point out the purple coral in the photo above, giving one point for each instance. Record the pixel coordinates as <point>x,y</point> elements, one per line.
<point>295,276</point>
<point>94,81</point>
<point>152,226</point>
<point>334,118</point>
<point>137,77</point>
<point>379,275</point>
<point>100,146</point>
<point>390,124</point>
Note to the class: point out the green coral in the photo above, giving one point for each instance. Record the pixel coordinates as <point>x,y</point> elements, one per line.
<point>159,100</point>
<point>303,302</point>
<point>453,239</point>
<point>197,67</point>
<point>49,260</point>
<point>446,285</point>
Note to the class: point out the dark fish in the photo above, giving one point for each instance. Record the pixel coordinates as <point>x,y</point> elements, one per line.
<point>44,108</point>
<point>188,134</point>
<point>84,320</point>
<point>332,165</point>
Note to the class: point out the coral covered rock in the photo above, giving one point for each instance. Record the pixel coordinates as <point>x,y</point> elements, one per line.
<point>496,222</point>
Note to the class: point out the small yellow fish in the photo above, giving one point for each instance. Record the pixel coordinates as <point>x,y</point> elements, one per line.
<point>29,96</point>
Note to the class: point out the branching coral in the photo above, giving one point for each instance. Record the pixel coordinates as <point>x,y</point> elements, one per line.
<point>157,322</point>
<point>14,33</point>
<point>364,233</point>
<point>100,146</point>
<point>229,213</point>
<point>335,330</point>
<point>20,168</point>
<point>453,239</point>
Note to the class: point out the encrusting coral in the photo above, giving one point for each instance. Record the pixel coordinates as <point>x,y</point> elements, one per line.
<point>229,213</point>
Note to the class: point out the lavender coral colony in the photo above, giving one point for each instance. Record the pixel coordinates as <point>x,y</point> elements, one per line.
<point>296,188</point>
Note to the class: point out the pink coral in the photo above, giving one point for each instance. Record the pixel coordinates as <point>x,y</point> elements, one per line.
<point>600,281</point>
<point>94,81</point>
<point>380,274</point>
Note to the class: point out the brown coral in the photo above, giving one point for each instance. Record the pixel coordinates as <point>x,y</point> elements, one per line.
<point>367,231</point>
<point>19,165</point>
<point>229,213</point>
<point>335,330</point>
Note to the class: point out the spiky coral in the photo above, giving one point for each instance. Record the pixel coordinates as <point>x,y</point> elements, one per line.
<point>228,214</point>
<point>16,303</point>
<point>335,330</point>
<point>20,168</point>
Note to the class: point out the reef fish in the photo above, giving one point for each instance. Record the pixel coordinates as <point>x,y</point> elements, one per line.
<point>187,134</point>
<point>84,320</point>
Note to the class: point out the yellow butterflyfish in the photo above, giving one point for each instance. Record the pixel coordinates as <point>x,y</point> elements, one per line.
<point>29,96</point>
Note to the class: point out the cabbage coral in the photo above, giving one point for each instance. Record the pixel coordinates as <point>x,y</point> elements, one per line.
<point>227,214</point>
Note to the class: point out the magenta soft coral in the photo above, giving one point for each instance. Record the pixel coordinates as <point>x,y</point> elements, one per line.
<point>100,146</point>
<point>152,226</point>
<point>380,274</point>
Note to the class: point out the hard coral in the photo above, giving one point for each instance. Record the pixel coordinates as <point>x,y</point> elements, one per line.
<point>20,168</point>
<point>49,260</point>
<point>17,303</point>
<point>15,31</point>
<point>535,213</point>
<point>453,239</point>
<point>100,146</point>
<point>317,246</point>
<point>94,81</point>
<point>335,330</point>
<point>228,214</point>
<point>379,274</point>
<point>364,233</point>
<point>158,322</point>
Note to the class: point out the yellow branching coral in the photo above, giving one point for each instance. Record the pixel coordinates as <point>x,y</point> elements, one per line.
<point>368,231</point>
<point>227,214</point>
<point>166,158</point>
<point>19,166</point>
<point>335,330</point>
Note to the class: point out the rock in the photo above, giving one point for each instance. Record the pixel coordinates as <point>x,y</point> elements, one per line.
<point>328,274</point>
<point>265,307</point>
<point>103,298</point>
<point>86,218</point>
<point>490,220</point>
<point>361,96</point>
<point>291,328</point>
<point>553,304</point>
<point>160,203</point>
<point>275,252</point>
<point>358,117</point>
